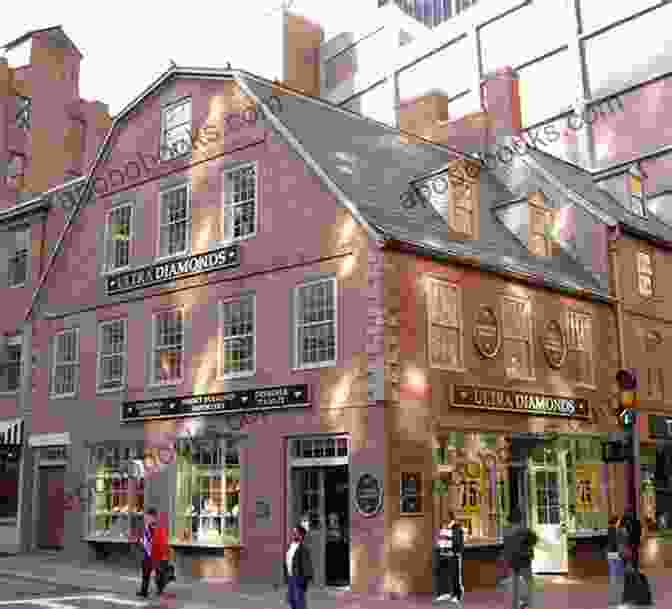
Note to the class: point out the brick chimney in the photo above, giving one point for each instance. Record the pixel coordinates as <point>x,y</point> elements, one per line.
<point>302,54</point>
<point>501,100</point>
<point>421,115</point>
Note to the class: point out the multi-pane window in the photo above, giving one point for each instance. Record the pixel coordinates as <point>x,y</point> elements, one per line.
<point>119,237</point>
<point>637,204</point>
<point>656,380</point>
<point>517,333</point>
<point>10,371</point>
<point>445,325</point>
<point>117,475</point>
<point>18,257</point>
<point>580,347</point>
<point>240,201</point>
<point>207,503</point>
<point>462,219</point>
<point>168,347</point>
<point>316,323</point>
<point>644,274</point>
<point>176,128</point>
<point>175,221</point>
<point>65,372</point>
<point>237,322</point>
<point>111,354</point>
<point>15,170</point>
<point>23,112</point>
<point>540,229</point>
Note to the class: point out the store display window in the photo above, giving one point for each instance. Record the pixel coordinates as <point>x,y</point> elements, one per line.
<point>207,506</point>
<point>587,485</point>
<point>472,481</point>
<point>116,477</point>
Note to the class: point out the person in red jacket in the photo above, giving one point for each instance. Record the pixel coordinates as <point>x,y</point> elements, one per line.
<point>156,553</point>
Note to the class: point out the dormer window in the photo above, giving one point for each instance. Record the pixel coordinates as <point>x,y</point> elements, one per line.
<point>541,226</point>
<point>176,130</point>
<point>637,197</point>
<point>454,196</point>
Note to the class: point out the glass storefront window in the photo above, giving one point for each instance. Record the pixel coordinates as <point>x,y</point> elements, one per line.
<point>207,507</point>
<point>473,481</point>
<point>9,490</point>
<point>588,500</point>
<point>116,475</point>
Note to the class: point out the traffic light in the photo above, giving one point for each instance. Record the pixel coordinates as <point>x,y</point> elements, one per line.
<point>620,447</point>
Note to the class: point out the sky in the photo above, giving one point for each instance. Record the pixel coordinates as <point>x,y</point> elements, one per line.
<point>129,43</point>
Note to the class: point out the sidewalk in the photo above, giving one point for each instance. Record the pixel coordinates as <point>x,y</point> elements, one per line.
<point>555,593</point>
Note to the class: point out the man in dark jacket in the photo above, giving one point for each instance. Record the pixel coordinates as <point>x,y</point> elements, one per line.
<point>298,569</point>
<point>519,542</point>
<point>634,534</point>
<point>447,562</point>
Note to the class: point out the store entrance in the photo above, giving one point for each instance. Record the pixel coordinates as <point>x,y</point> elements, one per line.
<point>548,514</point>
<point>321,504</point>
<point>51,523</point>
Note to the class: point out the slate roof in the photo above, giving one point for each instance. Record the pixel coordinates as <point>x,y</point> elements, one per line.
<point>373,167</point>
<point>581,182</point>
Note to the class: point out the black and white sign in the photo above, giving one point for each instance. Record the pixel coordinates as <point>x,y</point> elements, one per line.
<point>230,402</point>
<point>368,495</point>
<point>223,258</point>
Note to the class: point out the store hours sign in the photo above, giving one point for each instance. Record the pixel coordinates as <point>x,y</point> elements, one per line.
<point>230,402</point>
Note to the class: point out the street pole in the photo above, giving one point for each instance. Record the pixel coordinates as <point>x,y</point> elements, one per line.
<point>636,467</point>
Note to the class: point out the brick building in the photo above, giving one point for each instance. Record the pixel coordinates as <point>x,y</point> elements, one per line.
<point>48,136</point>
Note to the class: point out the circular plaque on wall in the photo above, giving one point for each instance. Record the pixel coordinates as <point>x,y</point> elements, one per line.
<point>487,337</point>
<point>554,344</point>
<point>368,495</point>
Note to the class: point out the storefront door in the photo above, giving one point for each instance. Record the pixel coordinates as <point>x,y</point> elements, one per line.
<point>321,504</point>
<point>52,507</point>
<point>547,514</point>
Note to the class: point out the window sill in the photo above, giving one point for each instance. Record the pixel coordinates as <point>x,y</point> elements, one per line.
<point>9,394</point>
<point>447,369</point>
<point>231,377</point>
<point>166,384</point>
<point>17,285</point>
<point>121,269</point>
<point>182,544</point>
<point>314,366</point>
<point>102,539</point>
<point>110,390</point>
<point>61,396</point>
<point>226,242</point>
<point>170,257</point>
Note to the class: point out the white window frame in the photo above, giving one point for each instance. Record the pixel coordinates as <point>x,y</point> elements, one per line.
<point>225,206</point>
<point>530,342</point>
<point>13,341</point>
<point>635,173</point>
<point>187,238</point>
<point>107,269</point>
<point>163,146</point>
<point>651,275</point>
<point>297,290</point>
<point>99,354</point>
<point>55,363</point>
<point>152,378</point>
<point>572,344</point>
<point>13,254</point>
<point>221,375</point>
<point>548,225</point>
<point>460,324</point>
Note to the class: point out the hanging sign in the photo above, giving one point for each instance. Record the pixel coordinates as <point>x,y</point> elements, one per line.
<point>368,495</point>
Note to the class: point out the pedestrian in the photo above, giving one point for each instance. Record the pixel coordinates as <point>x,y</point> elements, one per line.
<point>447,561</point>
<point>298,569</point>
<point>519,542</point>
<point>616,540</point>
<point>633,530</point>
<point>156,553</point>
